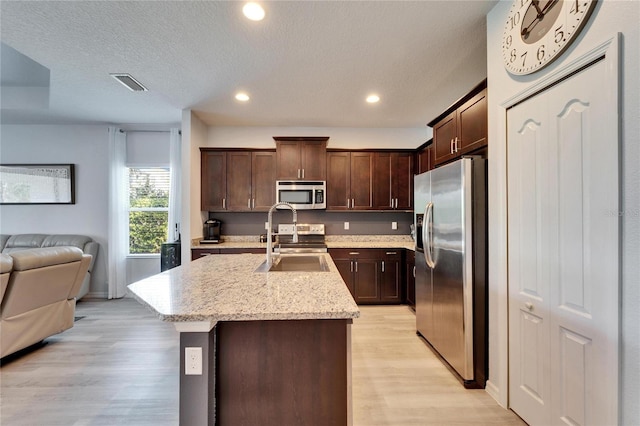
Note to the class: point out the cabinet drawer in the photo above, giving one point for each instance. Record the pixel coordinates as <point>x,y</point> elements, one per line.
<point>197,253</point>
<point>354,253</point>
<point>243,250</point>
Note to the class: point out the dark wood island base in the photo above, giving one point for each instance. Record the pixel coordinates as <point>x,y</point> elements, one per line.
<point>292,372</point>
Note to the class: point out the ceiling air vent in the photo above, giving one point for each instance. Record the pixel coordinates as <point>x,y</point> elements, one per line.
<point>129,82</point>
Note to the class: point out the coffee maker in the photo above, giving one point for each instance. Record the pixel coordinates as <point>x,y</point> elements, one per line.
<point>211,231</point>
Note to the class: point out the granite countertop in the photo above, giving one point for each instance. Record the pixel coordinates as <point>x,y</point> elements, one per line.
<point>226,288</point>
<point>332,241</point>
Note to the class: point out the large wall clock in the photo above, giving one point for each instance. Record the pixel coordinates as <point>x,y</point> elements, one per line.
<point>538,31</point>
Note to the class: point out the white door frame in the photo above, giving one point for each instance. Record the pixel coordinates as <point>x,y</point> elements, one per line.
<point>610,50</point>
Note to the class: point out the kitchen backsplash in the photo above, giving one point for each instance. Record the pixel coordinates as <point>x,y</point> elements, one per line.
<point>360,223</point>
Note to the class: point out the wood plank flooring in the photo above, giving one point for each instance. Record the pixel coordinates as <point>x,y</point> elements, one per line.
<point>119,366</point>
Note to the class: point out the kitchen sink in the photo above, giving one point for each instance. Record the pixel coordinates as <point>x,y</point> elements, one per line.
<point>296,263</point>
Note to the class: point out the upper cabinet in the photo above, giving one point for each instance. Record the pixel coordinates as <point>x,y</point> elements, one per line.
<point>301,158</point>
<point>237,180</point>
<point>393,181</point>
<point>424,158</point>
<point>349,180</point>
<point>462,128</point>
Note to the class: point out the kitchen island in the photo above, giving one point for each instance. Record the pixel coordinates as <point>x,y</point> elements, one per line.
<point>275,345</point>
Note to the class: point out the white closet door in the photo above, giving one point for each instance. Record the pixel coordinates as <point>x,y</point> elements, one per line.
<point>563,253</point>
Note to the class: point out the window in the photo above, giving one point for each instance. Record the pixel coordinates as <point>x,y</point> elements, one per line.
<point>148,209</point>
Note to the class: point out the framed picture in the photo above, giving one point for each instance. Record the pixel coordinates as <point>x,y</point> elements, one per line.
<point>37,184</point>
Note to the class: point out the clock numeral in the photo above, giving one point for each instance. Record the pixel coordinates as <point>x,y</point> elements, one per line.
<point>559,35</point>
<point>540,54</point>
<point>576,7</point>
<point>523,2</point>
<point>515,20</point>
<point>513,56</point>
<point>508,41</point>
<point>524,58</point>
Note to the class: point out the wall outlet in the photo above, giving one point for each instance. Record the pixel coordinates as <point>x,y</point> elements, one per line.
<point>394,225</point>
<point>346,225</point>
<point>193,361</point>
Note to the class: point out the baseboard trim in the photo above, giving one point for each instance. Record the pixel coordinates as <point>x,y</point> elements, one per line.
<point>494,392</point>
<point>96,295</point>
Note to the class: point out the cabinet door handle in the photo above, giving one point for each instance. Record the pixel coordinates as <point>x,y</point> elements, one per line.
<point>451,146</point>
<point>302,173</point>
<point>391,202</point>
<point>392,252</point>
<point>414,272</point>
<point>224,204</point>
<point>298,173</point>
<point>353,204</point>
<point>356,266</point>
<point>354,253</point>
<point>455,144</point>
<point>348,201</point>
<point>253,204</point>
<point>249,203</point>
<point>383,266</point>
<point>351,265</point>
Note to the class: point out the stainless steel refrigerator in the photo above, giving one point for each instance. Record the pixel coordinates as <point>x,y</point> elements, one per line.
<point>451,265</point>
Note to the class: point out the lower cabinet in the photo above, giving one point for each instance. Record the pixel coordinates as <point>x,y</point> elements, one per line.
<point>373,276</point>
<point>410,273</point>
<point>197,253</point>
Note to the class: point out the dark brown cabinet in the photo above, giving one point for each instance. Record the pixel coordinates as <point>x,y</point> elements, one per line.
<point>410,274</point>
<point>301,158</point>
<point>197,253</point>
<point>373,276</point>
<point>462,128</point>
<point>213,185</point>
<point>240,180</point>
<point>393,181</point>
<point>424,159</point>
<point>349,180</point>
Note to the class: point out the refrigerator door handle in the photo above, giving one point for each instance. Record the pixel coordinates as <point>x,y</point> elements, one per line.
<point>427,237</point>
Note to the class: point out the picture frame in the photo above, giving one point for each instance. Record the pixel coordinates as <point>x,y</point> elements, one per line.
<point>37,184</point>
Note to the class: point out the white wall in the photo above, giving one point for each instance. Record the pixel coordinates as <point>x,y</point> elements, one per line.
<point>339,137</point>
<point>87,148</point>
<point>608,18</point>
<point>194,135</point>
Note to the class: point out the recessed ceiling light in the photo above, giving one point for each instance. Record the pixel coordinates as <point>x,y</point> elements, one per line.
<point>372,99</point>
<point>129,82</point>
<point>243,97</point>
<point>253,11</point>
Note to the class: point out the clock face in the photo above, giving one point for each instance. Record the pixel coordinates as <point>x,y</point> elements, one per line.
<point>538,31</point>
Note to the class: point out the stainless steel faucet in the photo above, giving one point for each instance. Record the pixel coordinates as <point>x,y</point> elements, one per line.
<point>270,226</point>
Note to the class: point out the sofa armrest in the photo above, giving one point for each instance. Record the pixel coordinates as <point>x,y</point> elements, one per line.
<point>83,270</point>
<point>6,265</point>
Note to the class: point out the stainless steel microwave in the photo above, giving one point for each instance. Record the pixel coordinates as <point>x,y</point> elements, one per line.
<point>302,195</point>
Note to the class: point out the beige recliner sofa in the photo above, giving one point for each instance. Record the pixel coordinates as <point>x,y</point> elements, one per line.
<point>12,243</point>
<point>39,289</point>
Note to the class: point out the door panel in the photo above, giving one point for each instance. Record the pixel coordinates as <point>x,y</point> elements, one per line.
<point>568,175</point>
<point>239,181</point>
<point>263,176</point>
<point>362,180</point>
<point>366,286</point>
<point>338,180</point>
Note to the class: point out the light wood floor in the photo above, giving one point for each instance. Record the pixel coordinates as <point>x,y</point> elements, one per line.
<point>119,365</point>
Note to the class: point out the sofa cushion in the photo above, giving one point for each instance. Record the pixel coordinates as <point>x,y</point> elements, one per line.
<point>23,241</point>
<point>84,243</point>
<point>38,258</point>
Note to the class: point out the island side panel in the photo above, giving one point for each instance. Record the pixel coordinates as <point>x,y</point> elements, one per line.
<point>282,373</point>
<point>197,392</point>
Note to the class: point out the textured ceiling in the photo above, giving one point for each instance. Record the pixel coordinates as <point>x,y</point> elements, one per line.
<point>307,64</point>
